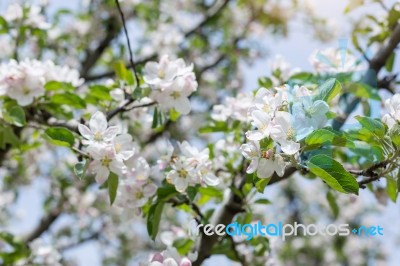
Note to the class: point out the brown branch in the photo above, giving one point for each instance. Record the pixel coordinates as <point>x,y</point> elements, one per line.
<point>212,12</point>
<point>375,66</point>
<point>132,63</point>
<point>225,216</point>
<point>45,223</point>
<point>92,57</point>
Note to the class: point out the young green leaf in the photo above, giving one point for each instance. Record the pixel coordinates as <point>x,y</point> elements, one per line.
<point>328,90</point>
<point>112,186</point>
<point>15,115</point>
<point>374,126</point>
<point>60,136</point>
<point>333,173</point>
<point>153,219</point>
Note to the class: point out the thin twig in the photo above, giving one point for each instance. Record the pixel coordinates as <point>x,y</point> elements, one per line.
<point>128,42</point>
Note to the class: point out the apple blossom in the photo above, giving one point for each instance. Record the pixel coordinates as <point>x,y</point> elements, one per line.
<point>264,162</point>
<point>393,107</point>
<point>105,160</point>
<point>98,131</point>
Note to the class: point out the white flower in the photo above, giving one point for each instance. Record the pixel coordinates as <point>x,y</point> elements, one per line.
<point>262,122</point>
<point>104,161</point>
<point>162,73</point>
<point>172,82</point>
<point>123,146</point>
<point>393,107</point>
<point>308,116</point>
<point>334,61</point>
<point>44,254</point>
<point>169,257</point>
<point>181,175</point>
<point>175,95</point>
<point>98,131</point>
<point>22,82</point>
<point>14,12</point>
<point>283,132</point>
<point>134,193</point>
<point>141,169</point>
<point>265,163</point>
<point>234,107</point>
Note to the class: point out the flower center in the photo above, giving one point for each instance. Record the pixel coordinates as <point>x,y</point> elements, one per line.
<point>267,154</point>
<point>183,173</point>
<point>139,195</point>
<point>175,95</point>
<point>161,74</point>
<point>118,147</point>
<point>98,136</point>
<point>105,161</point>
<point>291,134</point>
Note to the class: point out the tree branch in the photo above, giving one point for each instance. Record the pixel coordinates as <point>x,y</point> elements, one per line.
<point>211,13</point>
<point>375,66</point>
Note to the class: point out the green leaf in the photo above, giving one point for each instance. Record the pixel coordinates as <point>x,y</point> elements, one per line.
<point>56,85</point>
<point>325,136</point>
<point>112,186</point>
<point>153,219</point>
<point>362,90</point>
<point>123,73</point>
<point>60,136</point>
<point>263,201</point>
<point>173,114</point>
<point>374,126</point>
<point>7,136</point>
<point>216,126</point>
<point>261,183</point>
<point>70,99</point>
<point>15,115</point>
<point>183,246</point>
<point>333,173</point>
<point>80,169</point>
<point>211,191</point>
<point>328,90</point>
<point>100,92</point>
<point>390,62</point>
<point>302,76</point>
<point>333,204</point>
<point>166,192</point>
<point>394,134</point>
<point>391,188</point>
<point>155,118</point>
<point>265,82</point>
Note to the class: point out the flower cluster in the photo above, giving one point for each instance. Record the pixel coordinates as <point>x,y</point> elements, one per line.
<point>191,168</point>
<point>108,149</point>
<point>135,187</point>
<point>284,117</point>
<point>32,17</point>
<point>168,258</point>
<point>24,81</point>
<point>393,107</point>
<point>334,61</point>
<point>44,254</point>
<point>234,108</point>
<point>172,82</point>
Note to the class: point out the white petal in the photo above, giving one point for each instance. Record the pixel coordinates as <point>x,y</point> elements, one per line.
<point>211,179</point>
<point>180,184</point>
<point>290,147</point>
<point>98,122</point>
<point>252,166</point>
<point>265,168</point>
<point>102,175</point>
<point>110,133</point>
<point>85,131</point>
<point>183,105</point>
